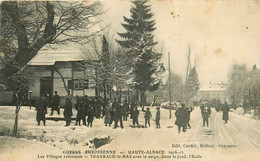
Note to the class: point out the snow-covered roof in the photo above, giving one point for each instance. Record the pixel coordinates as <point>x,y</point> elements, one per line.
<point>213,87</point>
<point>49,57</point>
<point>66,53</point>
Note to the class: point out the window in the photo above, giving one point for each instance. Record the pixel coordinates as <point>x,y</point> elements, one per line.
<point>78,84</point>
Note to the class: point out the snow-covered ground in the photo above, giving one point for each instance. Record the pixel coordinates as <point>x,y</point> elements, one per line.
<point>241,132</point>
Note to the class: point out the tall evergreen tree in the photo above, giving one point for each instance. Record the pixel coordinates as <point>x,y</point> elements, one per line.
<point>193,84</point>
<point>139,42</point>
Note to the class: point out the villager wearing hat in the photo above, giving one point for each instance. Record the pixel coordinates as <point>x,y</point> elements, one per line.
<point>135,114</point>
<point>147,117</point>
<point>67,111</point>
<point>157,118</point>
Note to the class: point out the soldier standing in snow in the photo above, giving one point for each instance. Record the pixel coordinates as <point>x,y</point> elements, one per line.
<point>107,112</point>
<point>181,118</point>
<point>113,112</point>
<point>86,109</point>
<point>202,107</point>
<point>67,111</point>
<point>157,118</point>
<point>90,116</point>
<point>98,105</point>
<point>205,116</point>
<point>125,110</point>
<point>41,111</point>
<point>225,112</point>
<point>81,111</point>
<point>55,103</point>
<point>147,117</point>
<point>135,114</point>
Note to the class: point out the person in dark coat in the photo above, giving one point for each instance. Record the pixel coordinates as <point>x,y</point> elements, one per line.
<point>107,112</point>
<point>188,111</point>
<point>67,111</point>
<point>125,110</point>
<point>113,112</point>
<point>157,118</point>
<point>98,107</point>
<point>202,108</point>
<point>147,117</point>
<point>80,112</point>
<point>205,116</point>
<point>133,106</point>
<point>181,118</point>
<point>135,114</point>
<point>41,111</point>
<point>118,116</point>
<point>90,116</point>
<point>225,112</point>
<point>55,103</point>
<point>87,103</point>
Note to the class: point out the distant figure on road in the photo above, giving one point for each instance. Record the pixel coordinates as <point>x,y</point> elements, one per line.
<point>225,112</point>
<point>205,116</point>
<point>67,111</point>
<point>157,118</point>
<point>41,111</point>
<point>55,103</point>
<point>147,117</point>
<point>181,118</point>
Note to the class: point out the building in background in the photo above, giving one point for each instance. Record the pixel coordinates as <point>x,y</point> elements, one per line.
<point>212,91</point>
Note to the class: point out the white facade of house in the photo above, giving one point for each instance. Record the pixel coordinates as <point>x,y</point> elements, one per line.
<point>213,91</point>
<point>48,80</point>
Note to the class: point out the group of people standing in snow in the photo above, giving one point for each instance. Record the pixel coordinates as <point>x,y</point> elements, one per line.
<point>118,113</point>
<point>183,117</point>
<point>91,108</point>
<point>206,111</point>
<point>115,112</point>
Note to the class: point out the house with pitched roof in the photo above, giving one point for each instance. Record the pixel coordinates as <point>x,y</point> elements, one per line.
<point>58,68</point>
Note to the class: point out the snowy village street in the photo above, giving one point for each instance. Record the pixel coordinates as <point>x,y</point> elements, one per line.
<point>241,135</point>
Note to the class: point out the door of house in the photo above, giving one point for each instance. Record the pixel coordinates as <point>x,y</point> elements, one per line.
<point>46,86</point>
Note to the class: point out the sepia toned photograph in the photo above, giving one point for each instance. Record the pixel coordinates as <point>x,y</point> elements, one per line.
<point>130,80</point>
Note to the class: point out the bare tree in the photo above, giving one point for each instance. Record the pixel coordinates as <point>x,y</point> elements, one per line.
<point>110,63</point>
<point>18,83</point>
<point>27,26</point>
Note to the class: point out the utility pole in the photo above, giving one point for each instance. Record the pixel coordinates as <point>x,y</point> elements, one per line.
<point>170,101</point>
